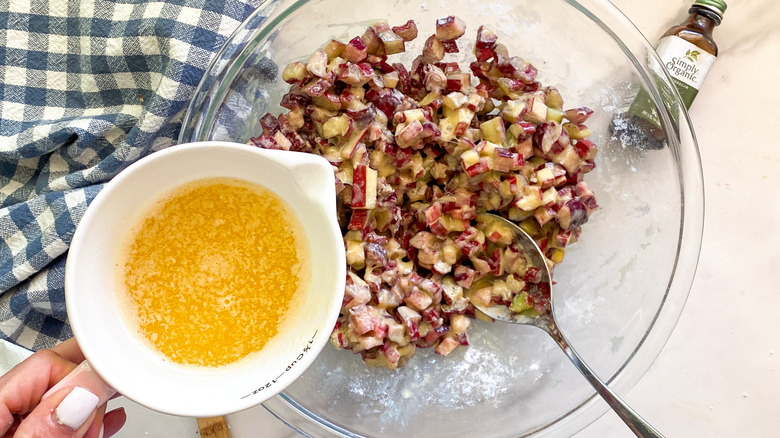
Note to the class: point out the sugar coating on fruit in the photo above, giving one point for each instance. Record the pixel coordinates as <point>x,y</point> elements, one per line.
<point>419,151</point>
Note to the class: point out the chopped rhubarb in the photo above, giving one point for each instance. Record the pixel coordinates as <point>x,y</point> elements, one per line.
<point>418,150</point>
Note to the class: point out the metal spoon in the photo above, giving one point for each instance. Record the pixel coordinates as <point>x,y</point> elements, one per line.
<point>546,322</point>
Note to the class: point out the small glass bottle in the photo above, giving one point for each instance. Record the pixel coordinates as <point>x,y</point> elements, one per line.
<point>688,52</point>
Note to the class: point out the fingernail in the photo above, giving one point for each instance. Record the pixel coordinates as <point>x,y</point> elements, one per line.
<point>84,377</point>
<point>102,431</point>
<point>76,407</point>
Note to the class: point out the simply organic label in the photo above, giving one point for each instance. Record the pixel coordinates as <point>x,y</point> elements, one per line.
<point>687,64</point>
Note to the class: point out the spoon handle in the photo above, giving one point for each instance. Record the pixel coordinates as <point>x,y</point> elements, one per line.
<point>634,421</point>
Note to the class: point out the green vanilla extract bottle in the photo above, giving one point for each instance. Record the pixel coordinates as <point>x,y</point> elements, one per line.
<point>688,52</point>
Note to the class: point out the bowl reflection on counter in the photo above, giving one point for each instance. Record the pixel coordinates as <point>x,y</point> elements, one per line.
<point>621,288</point>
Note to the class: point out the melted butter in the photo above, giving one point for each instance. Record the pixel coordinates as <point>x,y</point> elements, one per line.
<point>211,270</point>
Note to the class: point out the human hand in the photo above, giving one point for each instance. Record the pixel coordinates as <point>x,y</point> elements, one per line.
<point>50,396</point>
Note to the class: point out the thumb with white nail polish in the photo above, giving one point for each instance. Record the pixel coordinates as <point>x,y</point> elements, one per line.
<point>67,413</point>
<point>76,407</point>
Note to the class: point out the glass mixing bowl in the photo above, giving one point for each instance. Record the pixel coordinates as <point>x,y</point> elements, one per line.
<point>621,288</point>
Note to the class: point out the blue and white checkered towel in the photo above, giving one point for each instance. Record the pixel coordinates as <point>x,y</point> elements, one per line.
<point>86,88</point>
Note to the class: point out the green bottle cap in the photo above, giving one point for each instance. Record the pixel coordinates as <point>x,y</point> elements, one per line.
<point>717,6</point>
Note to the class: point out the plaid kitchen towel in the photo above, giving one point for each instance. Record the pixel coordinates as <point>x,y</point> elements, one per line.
<point>86,88</point>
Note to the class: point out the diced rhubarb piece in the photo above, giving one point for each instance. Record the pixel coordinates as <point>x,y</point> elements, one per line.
<point>363,187</point>
<point>544,215</point>
<point>339,339</point>
<point>576,132</point>
<point>355,252</point>
<point>446,346</point>
<point>318,64</point>
<point>407,314</point>
<point>317,87</point>
<point>349,73</point>
<point>526,128</point>
<point>450,46</point>
<point>563,238</point>
<point>432,213</point>
<point>333,49</point>
<point>503,160</point>
<point>432,315</point>
<point>358,220</point>
<point>434,335</point>
<point>486,38</point>
<point>350,145</point>
<point>578,115</point>
<point>264,141</point>
<point>517,68</point>
<point>433,50</point>
<point>363,117</point>
<point>545,177</point>
<point>450,28</point>
<point>270,124</point>
<point>294,73</point>
<point>514,111</point>
<point>532,275</point>
<point>481,297</point>
<point>554,115</point>
<point>457,81</point>
<point>392,42</point>
<point>376,254</point>
<point>371,39</point>
<point>391,79</point>
<point>532,198</point>
<point>407,31</point>
<point>337,126</point>
<point>432,288</point>
<point>459,324</point>
<point>356,291</point>
<point>404,79</point>
<point>355,51</point>
<point>554,98</point>
<point>493,130</point>
<point>360,320</point>
<point>367,74</point>
<point>481,167</point>
<point>582,190</point>
<point>568,158</point>
<point>521,302</point>
<point>572,215</point>
<point>387,101</point>
<point>390,352</point>
<point>481,67</point>
<point>586,149</point>
<point>367,342</point>
<point>418,300</point>
<point>510,86</point>
<point>536,111</point>
<point>328,100</point>
<point>409,134</point>
<point>547,135</point>
<point>282,141</point>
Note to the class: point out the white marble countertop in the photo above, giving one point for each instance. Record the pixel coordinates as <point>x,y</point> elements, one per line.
<point>718,374</point>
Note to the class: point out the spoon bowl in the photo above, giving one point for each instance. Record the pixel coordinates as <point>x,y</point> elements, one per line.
<point>544,319</point>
